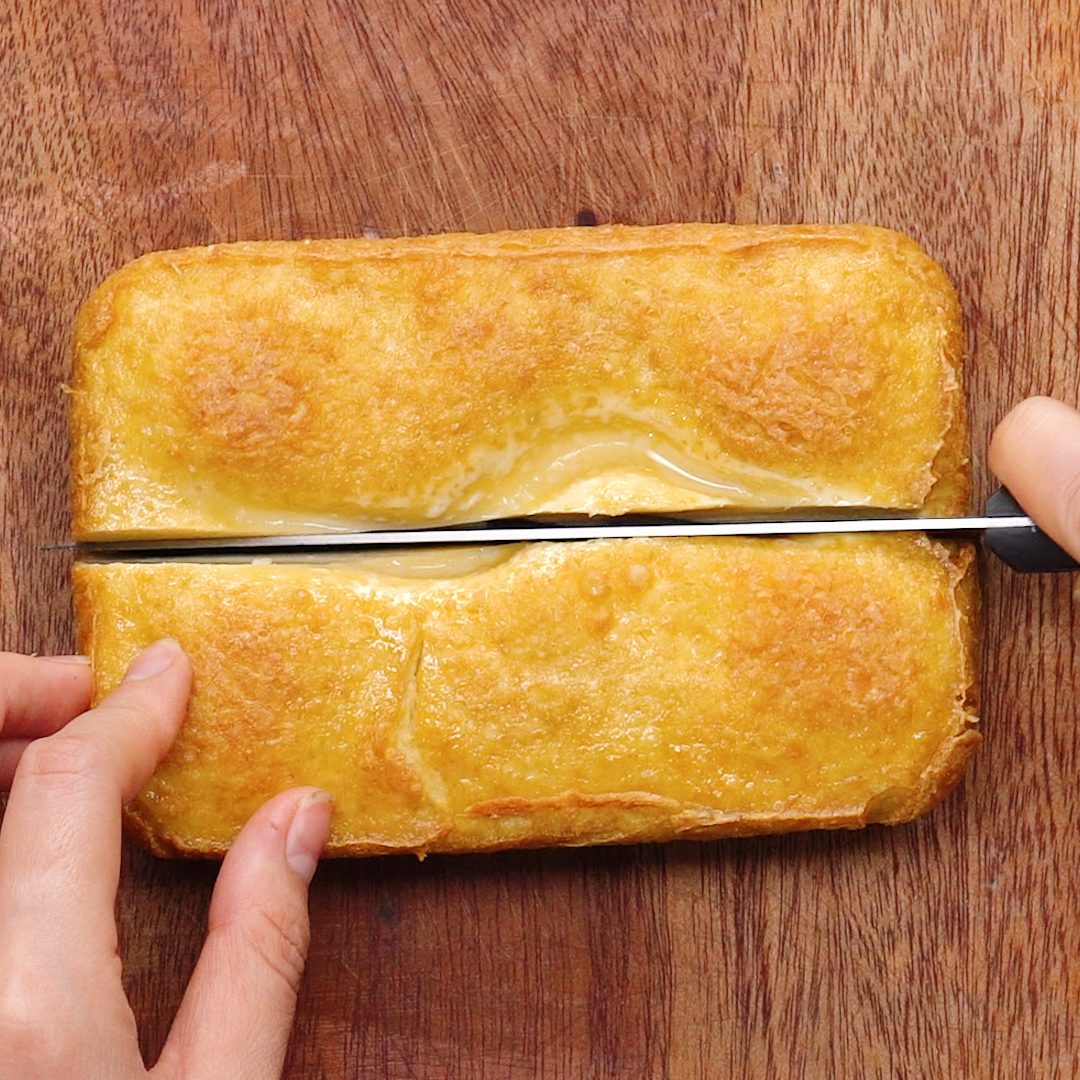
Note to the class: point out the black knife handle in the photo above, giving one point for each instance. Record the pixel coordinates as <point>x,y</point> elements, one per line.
<point>1028,550</point>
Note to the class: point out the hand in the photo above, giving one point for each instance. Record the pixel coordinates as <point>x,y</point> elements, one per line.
<point>63,1012</point>
<point>1035,451</point>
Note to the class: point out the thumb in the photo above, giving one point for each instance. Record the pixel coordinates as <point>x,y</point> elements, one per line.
<point>1035,451</point>
<point>238,1009</point>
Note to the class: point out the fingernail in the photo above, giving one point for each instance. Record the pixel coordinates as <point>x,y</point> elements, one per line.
<point>153,660</point>
<point>307,834</point>
<point>77,660</point>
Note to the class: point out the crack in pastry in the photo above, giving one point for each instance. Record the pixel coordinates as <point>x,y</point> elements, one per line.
<point>433,783</point>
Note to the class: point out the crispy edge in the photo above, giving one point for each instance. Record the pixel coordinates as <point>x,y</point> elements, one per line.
<point>86,419</point>
<point>87,585</point>
<point>951,468</point>
<point>523,243</point>
<point>948,765</point>
<point>87,436</point>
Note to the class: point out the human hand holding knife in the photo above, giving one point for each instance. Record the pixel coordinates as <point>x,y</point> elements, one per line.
<point>1035,452</point>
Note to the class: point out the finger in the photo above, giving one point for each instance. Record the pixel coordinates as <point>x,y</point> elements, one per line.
<point>40,694</point>
<point>10,752</point>
<point>60,842</point>
<point>240,1002</point>
<point>1035,451</point>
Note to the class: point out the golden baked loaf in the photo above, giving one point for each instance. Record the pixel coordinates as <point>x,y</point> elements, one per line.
<point>599,692</point>
<point>278,387</point>
<point>577,693</point>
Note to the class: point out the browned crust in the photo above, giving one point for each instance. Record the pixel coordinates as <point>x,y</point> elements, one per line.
<point>95,515</point>
<point>951,493</point>
<point>679,822</point>
<point>575,819</point>
<point>88,440</point>
<point>509,243</point>
<point>686,823</point>
<point>571,809</point>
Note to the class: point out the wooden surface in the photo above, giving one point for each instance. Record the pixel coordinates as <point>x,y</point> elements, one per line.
<point>946,948</point>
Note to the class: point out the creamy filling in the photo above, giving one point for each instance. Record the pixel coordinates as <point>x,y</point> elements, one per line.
<point>411,564</point>
<point>598,473</point>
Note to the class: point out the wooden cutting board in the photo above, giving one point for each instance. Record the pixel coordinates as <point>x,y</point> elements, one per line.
<point>946,948</point>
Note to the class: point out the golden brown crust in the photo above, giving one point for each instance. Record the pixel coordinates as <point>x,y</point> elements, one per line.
<point>601,693</point>
<point>609,692</point>
<point>590,370</point>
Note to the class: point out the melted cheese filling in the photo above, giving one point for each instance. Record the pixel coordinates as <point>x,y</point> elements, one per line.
<point>617,473</point>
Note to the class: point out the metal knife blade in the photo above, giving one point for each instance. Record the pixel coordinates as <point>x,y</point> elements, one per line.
<point>612,529</point>
<point>1005,529</point>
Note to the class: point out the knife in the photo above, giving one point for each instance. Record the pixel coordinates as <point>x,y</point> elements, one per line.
<point>1005,530</point>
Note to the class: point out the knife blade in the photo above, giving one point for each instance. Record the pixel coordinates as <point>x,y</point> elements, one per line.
<point>1007,531</point>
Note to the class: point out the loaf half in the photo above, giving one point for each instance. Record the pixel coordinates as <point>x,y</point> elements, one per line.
<point>602,692</point>
<point>273,387</point>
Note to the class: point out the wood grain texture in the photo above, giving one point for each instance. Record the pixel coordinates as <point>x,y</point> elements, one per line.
<point>946,948</point>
